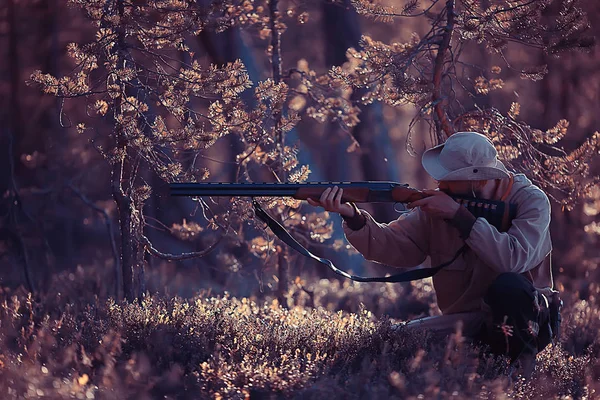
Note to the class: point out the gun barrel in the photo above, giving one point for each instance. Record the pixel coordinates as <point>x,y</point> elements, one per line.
<point>232,189</point>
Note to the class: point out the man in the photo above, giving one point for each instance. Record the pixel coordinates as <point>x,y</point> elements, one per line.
<point>499,286</point>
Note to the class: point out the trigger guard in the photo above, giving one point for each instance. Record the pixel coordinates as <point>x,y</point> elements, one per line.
<point>404,211</point>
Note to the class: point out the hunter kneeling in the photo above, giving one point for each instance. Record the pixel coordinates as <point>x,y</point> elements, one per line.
<point>500,285</point>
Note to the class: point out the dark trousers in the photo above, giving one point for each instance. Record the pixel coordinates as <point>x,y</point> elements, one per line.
<point>521,323</point>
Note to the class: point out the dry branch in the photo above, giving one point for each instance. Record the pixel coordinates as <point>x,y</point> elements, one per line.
<point>178,257</point>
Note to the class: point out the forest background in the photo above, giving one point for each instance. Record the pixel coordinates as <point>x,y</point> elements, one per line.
<point>112,288</point>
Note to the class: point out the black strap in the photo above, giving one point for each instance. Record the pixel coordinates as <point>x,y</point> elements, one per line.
<point>283,235</point>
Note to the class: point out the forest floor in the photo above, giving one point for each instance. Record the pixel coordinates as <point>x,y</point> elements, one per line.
<point>68,345</point>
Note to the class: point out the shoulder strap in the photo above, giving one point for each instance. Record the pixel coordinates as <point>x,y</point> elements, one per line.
<point>284,236</point>
<point>508,210</point>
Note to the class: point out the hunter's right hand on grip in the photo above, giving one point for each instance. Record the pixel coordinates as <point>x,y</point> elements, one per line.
<point>407,194</point>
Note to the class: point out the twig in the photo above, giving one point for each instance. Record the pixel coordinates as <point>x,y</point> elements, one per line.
<point>177,257</point>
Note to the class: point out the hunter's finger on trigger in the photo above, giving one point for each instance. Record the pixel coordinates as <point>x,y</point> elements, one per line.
<point>417,203</point>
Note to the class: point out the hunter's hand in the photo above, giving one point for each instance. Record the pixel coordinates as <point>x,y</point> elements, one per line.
<point>437,205</point>
<point>331,201</point>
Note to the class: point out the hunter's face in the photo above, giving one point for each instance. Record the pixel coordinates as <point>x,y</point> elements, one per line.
<point>458,188</point>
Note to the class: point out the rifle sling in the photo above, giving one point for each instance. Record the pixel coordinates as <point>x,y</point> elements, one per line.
<point>410,275</point>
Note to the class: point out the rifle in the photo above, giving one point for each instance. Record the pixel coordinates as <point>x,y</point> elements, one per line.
<point>496,212</point>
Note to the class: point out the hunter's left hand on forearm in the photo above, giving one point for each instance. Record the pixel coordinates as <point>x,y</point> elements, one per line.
<point>437,205</point>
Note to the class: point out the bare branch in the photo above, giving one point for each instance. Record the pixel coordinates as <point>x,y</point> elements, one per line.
<point>275,41</point>
<point>177,257</point>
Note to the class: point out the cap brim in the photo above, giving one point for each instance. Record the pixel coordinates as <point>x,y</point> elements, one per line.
<point>431,163</point>
<point>477,173</point>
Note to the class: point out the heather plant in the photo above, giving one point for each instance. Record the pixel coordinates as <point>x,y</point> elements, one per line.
<point>399,302</point>
<point>227,347</point>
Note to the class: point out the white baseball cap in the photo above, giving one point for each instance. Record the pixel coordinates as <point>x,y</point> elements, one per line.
<point>464,156</point>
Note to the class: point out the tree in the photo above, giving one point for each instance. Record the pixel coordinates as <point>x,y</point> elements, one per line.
<point>130,77</point>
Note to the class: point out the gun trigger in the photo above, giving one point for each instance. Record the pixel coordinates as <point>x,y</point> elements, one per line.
<point>399,211</point>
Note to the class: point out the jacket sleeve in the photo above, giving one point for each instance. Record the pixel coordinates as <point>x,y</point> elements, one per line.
<point>524,245</point>
<point>401,243</point>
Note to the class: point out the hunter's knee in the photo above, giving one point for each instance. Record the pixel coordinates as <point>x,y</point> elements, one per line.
<point>509,286</point>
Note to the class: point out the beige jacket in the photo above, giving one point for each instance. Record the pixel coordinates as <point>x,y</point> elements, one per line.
<point>460,287</point>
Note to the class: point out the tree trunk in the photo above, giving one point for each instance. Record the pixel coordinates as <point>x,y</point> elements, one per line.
<point>132,252</point>
<point>123,203</point>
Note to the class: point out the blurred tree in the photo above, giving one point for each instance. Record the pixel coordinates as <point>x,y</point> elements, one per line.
<point>13,129</point>
<point>40,214</point>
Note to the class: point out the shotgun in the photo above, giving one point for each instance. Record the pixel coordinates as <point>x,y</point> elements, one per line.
<point>357,192</point>
<point>498,213</point>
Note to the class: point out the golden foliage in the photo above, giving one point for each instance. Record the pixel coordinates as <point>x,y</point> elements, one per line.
<point>515,110</point>
<point>484,86</point>
<point>555,134</point>
<point>300,175</point>
<point>101,107</point>
<point>500,23</point>
<point>261,247</point>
